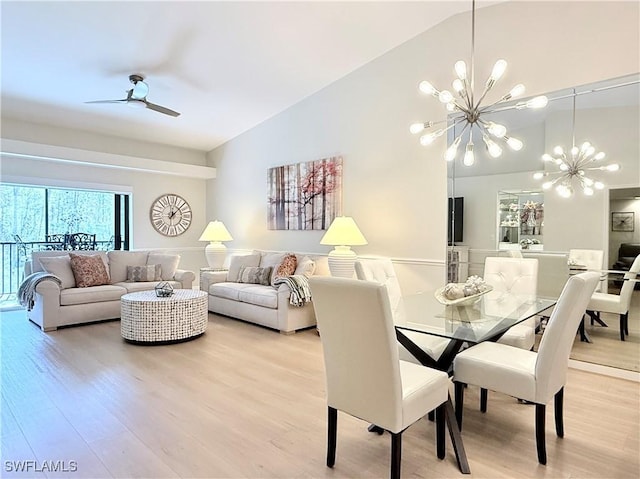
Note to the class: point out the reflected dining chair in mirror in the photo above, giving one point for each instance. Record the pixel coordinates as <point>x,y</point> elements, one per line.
<point>535,377</point>
<point>364,376</point>
<point>616,303</point>
<point>82,241</point>
<point>382,271</point>
<point>589,259</point>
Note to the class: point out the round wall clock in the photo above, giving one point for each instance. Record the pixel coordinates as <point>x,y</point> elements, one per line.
<point>170,215</point>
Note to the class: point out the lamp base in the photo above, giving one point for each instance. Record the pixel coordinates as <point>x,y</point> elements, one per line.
<point>216,253</point>
<point>341,261</point>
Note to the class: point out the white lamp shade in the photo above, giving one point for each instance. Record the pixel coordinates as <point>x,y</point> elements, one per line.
<point>342,234</point>
<point>215,251</point>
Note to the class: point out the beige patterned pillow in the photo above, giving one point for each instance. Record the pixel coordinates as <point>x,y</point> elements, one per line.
<point>150,272</point>
<point>88,270</point>
<point>255,275</point>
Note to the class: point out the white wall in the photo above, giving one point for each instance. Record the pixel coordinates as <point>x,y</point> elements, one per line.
<point>393,187</point>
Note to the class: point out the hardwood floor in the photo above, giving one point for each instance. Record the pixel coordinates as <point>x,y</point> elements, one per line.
<point>243,401</point>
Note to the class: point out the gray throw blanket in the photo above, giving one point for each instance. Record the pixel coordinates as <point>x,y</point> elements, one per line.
<point>27,290</point>
<point>299,286</point>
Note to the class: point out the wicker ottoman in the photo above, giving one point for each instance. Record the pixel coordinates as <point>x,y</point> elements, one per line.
<point>148,319</point>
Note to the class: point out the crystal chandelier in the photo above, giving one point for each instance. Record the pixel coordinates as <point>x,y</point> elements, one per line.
<point>574,165</point>
<point>467,109</point>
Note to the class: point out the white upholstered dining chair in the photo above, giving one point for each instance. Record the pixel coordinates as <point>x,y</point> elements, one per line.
<point>381,270</point>
<point>617,303</point>
<point>364,376</point>
<point>535,377</point>
<point>514,276</point>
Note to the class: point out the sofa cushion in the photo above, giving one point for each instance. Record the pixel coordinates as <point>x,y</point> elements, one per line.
<point>168,264</point>
<point>145,285</point>
<point>226,290</point>
<point>265,296</point>
<point>94,294</point>
<point>255,275</point>
<point>119,260</point>
<point>238,261</point>
<point>61,267</point>
<point>150,272</point>
<point>88,270</point>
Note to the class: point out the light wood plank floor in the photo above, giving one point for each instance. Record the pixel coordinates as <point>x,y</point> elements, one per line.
<point>243,401</point>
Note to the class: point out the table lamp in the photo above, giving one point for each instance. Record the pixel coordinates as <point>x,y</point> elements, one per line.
<point>215,251</point>
<point>343,233</point>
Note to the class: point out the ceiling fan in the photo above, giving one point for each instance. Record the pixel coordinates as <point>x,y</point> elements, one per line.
<point>137,96</point>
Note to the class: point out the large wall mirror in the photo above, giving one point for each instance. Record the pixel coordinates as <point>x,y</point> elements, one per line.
<point>503,207</point>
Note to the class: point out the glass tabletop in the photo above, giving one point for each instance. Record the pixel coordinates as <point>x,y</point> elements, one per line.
<point>490,315</point>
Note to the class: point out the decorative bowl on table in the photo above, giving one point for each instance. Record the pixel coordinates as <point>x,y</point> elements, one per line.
<point>463,294</point>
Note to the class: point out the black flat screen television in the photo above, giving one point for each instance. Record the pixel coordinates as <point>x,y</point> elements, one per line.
<point>455,221</point>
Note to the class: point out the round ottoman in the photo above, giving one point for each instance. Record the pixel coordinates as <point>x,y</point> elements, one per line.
<point>148,319</point>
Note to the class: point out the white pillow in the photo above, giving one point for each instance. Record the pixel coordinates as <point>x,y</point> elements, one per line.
<point>168,263</point>
<point>271,260</point>
<point>237,262</point>
<point>119,260</point>
<point>306,266</point>
<point>61,267</point>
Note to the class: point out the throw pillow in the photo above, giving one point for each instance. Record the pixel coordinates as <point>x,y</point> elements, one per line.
<point>255,275</point>
<point>168,264</point>
<point>287,267</point>
<point>238,261</point>
<point>59,266</point>
<point>306,266</point>
<point>88,270</point>
<point>119,260</point>
<point>150,272</point>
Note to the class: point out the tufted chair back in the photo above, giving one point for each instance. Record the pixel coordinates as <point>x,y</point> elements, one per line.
<point>512,275</point>
<point>593,259</point>
<point>382,271</point>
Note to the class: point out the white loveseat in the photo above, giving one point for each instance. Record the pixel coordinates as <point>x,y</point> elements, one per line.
<point>266,305</point>
<point>65,304</point>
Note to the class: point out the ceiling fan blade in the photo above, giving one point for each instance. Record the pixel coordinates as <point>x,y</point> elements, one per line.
<point>161,109</point>
<point>108,101</point>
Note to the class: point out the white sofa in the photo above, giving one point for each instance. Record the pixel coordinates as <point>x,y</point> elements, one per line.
<point>266,305</point>
<point>62,305</point>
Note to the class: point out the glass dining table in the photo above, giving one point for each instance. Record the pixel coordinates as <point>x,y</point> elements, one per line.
<point>485,318</point>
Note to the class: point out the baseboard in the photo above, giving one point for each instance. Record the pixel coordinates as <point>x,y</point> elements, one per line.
<point>605,370</point>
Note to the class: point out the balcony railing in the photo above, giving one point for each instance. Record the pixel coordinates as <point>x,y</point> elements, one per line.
<point>13,257</point>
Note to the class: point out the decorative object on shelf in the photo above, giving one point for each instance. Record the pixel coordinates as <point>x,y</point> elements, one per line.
<point>163,289</point>
<point>215,232</point>
<point>170,215</point>
<point>304,196</point>
<point>463,294</point>
<point>343,233</point>
<point>467,109</point>
<point>574,165</point>
<point>623,221</point>
<point>528,243</point>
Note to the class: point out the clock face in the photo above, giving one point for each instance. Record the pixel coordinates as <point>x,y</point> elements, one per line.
<point>170,215</point>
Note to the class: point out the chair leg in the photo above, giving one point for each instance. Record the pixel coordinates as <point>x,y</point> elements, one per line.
<point>540,442</point>
<point>440,430</point>
<point>332,436</point>
<point>459,394</point>
<point>396,454</point>
<point>622,327</point>
<point>483,399</point>
<point>558,405</point>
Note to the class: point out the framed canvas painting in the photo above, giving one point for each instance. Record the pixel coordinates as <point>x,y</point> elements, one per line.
<point>622,221</point>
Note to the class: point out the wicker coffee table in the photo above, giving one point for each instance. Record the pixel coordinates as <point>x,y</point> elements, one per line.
<point>148,319</point>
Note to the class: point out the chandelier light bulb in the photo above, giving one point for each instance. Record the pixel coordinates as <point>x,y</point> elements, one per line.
<point>599,185</point>
<point>492,147</point>
<point>516,90</point>
<point>588,190</point>
<point>546,185</point>
<point>417,128</point>
<point>564,190</point>
<point>574,151</point>
<point>458,86</point>
<point>514,143</point>
<point>564,166</point>
<point>585,146</point>
<point>452,151</point>
<point>587,181</point>
<point>538,175</point>
<point>547,157</point>
<point>427,88</point>
<point>451,106</point>
<point>427,139</point>
<point>461,69</point>
<point>613,167</point>
<point>496,129</point>
<point>469,158</point>
<point>445,96</point>
<point>558,150</point>
<point>498,70</point>
<point>538,102</point>
<point>599,156</point>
